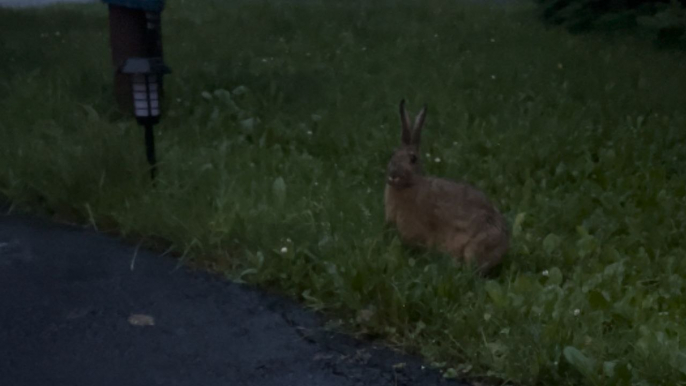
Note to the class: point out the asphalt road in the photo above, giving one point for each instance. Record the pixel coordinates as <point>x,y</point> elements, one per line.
<point>73,313</point>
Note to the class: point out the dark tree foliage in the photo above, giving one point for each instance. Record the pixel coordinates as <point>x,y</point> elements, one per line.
<point>664,20</point>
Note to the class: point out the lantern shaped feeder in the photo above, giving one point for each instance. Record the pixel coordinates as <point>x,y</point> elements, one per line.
<point>146,84</point>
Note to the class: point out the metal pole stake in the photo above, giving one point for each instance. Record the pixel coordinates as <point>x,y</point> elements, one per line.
<point>150,150</point>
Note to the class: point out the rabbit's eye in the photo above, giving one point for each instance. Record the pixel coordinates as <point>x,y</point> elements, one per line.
<point>413,158</point>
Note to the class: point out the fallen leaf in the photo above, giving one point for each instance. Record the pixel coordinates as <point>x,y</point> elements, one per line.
<point>141,320</point>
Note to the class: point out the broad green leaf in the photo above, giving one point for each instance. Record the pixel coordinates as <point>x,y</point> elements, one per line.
<point>495,292</point>
<point>92,113</point>
<point>554,276</point>
<point>680,361</point>
<point>526,283</point>
<point>578,360</point>
<point>240,90</point>
<point>551,243</point>
<point>450,373</point>
<point>586,245</point>
<point>279,190</point>
<point>517,226</point>
<point>609,368</point>
<point>248,124</point>
<point>581,231</point>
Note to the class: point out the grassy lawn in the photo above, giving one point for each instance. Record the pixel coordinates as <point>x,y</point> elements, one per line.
<point>281,117</point>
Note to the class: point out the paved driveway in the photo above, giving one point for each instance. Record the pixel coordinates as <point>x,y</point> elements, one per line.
<point>75,312</point>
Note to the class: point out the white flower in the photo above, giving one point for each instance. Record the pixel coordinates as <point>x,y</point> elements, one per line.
<point>428,155</point>
<point>493,77</point>
<point>309,132</point>
<point>437,160</point>
<point>284,250</point>
<point>545,273</point>
<point>288,240</point>
<point>577,312</point>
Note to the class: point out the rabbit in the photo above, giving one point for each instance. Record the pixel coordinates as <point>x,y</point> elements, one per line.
<point>452,217</point>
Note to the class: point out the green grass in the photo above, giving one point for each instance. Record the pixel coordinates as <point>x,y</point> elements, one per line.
<point>280,119</point>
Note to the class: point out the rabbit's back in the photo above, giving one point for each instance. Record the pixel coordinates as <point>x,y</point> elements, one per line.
<point>471,228</point>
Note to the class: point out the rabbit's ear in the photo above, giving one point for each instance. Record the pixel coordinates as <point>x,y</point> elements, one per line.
<point>405,120</point>
<point>417,128</point>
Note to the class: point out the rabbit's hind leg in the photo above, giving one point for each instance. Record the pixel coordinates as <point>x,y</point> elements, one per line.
<point>485,250</point>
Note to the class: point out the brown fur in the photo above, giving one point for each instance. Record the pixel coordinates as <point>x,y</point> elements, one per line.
<point>453,217</point>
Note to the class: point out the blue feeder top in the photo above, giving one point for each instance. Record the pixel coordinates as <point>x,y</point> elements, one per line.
<point>144,5</point>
